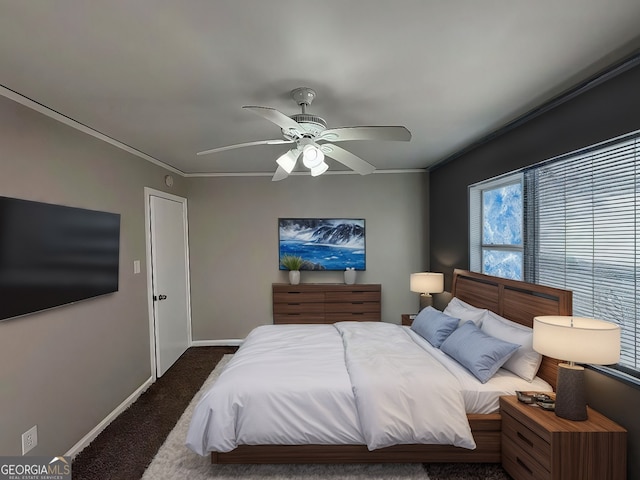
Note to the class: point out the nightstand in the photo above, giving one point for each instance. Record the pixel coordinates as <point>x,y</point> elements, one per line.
<point>407,318</point>
<point>538,445</point>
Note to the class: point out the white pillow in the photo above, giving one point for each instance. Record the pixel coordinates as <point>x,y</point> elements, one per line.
<point>525,361</point>
<point>465,312</point>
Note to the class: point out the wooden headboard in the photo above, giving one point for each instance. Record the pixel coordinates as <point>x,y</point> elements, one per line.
<point>518,301</point>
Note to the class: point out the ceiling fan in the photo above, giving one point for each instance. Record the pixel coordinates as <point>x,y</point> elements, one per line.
<point>312,140</point>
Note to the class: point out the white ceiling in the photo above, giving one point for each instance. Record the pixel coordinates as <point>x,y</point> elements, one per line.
<point>169,78</point>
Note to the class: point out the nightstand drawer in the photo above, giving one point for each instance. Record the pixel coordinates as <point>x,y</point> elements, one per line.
<point>537,444</point>
<point>519,464</point>
<point>516,433</point>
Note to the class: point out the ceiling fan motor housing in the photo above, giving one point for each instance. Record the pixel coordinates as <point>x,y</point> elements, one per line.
<point>311,123</point>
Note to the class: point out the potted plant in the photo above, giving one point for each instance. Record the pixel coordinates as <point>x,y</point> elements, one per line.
<point>292,263</point>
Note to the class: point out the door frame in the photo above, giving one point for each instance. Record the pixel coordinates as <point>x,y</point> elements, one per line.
<point>148,193</point>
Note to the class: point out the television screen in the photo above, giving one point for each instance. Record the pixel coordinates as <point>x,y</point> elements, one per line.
<point>52,255</point>
<point>323,243</point>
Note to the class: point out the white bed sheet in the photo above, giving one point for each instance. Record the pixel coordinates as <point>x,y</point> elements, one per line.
<point>482,397</point>
<point>309,402</point>
<point>285,403</point>
<point>395,404</point>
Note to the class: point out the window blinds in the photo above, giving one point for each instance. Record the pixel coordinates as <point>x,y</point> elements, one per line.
<point>582,233</point>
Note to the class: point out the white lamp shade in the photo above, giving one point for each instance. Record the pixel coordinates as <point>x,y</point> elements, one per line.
<point>288,160</point>
<point>427,282</point>
<point>312,156</point>
<point>319,170</point>
<point>577,339</point>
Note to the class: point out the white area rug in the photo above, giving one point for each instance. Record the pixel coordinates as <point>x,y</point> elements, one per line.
<point>175,461</point>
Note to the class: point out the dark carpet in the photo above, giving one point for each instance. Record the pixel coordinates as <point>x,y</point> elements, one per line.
<point>127,446</point>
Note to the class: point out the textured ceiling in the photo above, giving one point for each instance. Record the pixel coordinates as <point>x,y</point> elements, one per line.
<point>169,78</point>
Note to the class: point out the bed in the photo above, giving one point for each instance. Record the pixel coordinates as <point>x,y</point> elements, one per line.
<point>347,438</point>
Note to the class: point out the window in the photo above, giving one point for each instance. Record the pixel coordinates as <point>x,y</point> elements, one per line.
<point>581,221</point>
<point>496,225</point>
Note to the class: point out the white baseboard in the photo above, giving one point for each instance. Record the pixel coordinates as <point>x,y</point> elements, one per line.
<point>89,437</point>
<point>231,342</point>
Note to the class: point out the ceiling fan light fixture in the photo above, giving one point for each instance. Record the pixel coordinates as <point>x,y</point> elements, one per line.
<point>288,160</point>
<point>319,170</point>
<point>312,156</point>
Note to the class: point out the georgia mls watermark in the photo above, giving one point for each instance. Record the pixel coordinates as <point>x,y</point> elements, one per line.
<point>35,468</point>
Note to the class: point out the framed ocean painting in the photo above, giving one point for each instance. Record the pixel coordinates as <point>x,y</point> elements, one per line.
<point>323,243</point>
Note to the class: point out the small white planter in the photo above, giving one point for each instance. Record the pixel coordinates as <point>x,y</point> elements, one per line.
<point>350,277</point>
<point>294,277</point>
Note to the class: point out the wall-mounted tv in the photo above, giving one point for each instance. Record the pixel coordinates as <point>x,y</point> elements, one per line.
<point>52,255</point>
<point>323,243</point>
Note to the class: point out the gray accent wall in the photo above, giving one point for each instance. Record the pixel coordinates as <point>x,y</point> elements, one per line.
<point>66,369</point>
<point>233,231</point>
<point>603,112</point>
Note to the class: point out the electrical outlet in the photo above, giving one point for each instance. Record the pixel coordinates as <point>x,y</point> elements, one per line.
<point>29,439</point>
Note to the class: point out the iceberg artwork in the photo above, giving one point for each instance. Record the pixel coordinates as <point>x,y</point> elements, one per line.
<point>323,243</point>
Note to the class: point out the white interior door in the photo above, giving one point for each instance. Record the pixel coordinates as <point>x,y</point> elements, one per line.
<point>169,263</point>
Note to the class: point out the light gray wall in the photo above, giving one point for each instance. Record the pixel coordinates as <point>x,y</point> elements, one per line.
<point>234,242</point>
<point>66,369</point>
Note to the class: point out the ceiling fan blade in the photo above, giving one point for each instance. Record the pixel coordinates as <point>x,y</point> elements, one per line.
<point>248,144</point>
<point>277,117</point>
<point>280,174</point>
<point>348,159</point>
<point>344,134</point>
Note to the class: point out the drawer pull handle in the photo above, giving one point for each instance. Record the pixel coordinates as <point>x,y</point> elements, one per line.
<point>523,465</point>
<point>525,439</point>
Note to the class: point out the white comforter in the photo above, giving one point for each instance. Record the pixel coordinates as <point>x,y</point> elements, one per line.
<point>288,385</point>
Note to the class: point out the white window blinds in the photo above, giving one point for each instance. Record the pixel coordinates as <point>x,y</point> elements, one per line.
<point>582,222</point>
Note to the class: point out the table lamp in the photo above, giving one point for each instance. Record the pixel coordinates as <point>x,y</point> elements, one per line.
<point>427,283</point>
<point>575,339</point>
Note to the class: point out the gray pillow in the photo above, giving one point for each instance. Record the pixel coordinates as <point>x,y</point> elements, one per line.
<point>434,326</point>
<point>478,352</point>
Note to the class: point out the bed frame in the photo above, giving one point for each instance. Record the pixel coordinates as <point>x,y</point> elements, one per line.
<point>515,300</point>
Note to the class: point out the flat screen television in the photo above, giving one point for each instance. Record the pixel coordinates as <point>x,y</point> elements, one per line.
<point>52,255</point>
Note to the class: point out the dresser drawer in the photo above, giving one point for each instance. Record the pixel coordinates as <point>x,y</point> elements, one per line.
<point>353,296</point>
<point>301,307</point>
<point>352,307</point>
<point>352,317</point>
<point>298,318</point>
<point>298,297</point>
<point>519,463</point>
<point>514,432</point>
<point>326,303</point>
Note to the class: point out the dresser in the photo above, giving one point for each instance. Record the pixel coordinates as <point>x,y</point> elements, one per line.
<point>538,445</point>
<point>326,303</point>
